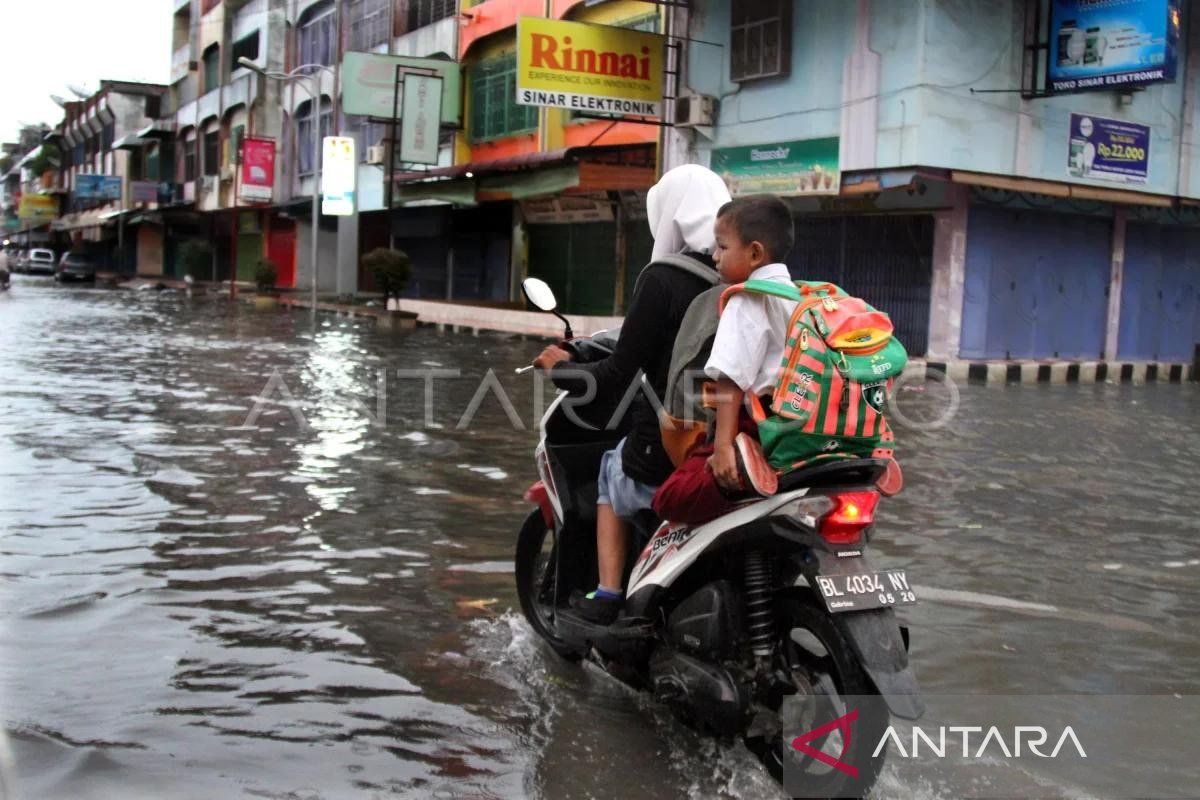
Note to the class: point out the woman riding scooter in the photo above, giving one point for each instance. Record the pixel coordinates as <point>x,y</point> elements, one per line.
<point>681,209</point>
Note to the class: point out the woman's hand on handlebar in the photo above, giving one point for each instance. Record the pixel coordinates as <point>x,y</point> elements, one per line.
<point>552,355</point>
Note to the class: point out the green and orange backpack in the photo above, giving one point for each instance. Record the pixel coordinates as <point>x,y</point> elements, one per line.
<point>835,379</point>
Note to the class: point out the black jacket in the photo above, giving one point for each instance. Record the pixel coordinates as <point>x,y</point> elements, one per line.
<point>647,336</point>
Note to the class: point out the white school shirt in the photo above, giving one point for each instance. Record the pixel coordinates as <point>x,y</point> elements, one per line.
<point>752,334</point>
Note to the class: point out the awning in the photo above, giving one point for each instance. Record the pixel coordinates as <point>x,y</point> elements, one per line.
<point>157,130</point>
<point>30,156</point>
<point>1065,190</point>
<point>510,164</point>
<point>459,192</point>
<point>579,169</point>
<point>130,141</point>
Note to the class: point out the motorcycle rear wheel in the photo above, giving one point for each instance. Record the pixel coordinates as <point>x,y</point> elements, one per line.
<point>534,569</point>
<point>830,667</point>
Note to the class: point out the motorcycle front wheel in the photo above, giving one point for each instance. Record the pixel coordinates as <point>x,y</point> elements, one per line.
<point>534,569</point>
<point>826,672</point>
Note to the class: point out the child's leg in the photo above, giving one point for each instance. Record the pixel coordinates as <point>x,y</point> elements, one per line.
<point>612,537</point>
<point>691,495</point>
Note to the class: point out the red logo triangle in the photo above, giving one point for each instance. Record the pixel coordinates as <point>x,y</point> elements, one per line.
<point>843,724</point>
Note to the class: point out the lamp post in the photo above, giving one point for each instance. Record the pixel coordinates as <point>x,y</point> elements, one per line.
<point>314,92</point>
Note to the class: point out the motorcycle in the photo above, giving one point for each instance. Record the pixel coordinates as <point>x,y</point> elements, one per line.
<point>743,626</point>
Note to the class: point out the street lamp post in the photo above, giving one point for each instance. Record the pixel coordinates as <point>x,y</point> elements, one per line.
<point>314,92</point>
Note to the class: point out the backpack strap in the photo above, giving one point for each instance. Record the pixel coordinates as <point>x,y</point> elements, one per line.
<point>806,294</point>
<point>683,262</point>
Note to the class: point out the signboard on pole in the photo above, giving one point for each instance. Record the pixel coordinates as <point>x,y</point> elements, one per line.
<point>1101,44</point>
<point>339,169</point>
<point>1108,150</point>
<point>98,187</point>
<point>807,167</point>
<point>258,170</point>
<point>592,68</point>
<point>37,208</point>
<point>419,119</point>
<point>369,83</point>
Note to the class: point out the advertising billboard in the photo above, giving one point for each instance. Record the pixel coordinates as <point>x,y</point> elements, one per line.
<point>369,84</point>
<point>143,192</point>
<point>590,68</point>
<point>258,169</point>
<point>805,167</point>
<point>1106,44</point>
<point>1108,150</point>
<point>98,187</point>
<point>339,169</point>
<point>37,208</point>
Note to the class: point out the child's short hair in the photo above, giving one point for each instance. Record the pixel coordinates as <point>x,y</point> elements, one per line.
<point>762,218</point>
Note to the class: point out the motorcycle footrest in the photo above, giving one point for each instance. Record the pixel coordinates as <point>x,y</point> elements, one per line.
<point>626,638</point>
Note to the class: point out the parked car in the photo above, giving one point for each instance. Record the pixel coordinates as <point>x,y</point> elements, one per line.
<point>76,267</point>
<point>19,260</point>
<point>40,261</point>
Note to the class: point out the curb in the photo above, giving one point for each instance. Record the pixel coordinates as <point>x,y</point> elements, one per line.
<point>1004,373</point>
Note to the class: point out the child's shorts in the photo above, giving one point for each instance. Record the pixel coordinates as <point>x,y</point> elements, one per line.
<point>616,489</point>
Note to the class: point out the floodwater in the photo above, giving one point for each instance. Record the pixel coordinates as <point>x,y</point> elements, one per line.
<point>319,603</point>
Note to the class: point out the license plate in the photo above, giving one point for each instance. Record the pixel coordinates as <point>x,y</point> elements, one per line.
<point>865,590</point>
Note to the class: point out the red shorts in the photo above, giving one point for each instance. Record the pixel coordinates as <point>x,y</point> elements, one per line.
<point>691,495</point>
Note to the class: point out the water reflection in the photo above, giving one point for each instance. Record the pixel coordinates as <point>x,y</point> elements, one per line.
<point>189,607</point>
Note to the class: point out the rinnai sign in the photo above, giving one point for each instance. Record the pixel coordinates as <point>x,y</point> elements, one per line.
<point>1107,44</point>
<point>585,67</point>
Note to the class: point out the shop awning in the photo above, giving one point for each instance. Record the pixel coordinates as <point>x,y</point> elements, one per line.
<point>580,169</point>
<point>157,130</point>
<point>130,141</point>
<point>1066,190</point>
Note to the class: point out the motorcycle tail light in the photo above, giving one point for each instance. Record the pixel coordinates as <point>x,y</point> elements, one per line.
<point>853,512</point>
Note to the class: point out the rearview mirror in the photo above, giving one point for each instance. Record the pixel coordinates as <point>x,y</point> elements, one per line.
<point>539,294</point>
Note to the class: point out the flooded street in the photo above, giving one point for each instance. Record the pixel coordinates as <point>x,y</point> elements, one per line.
<point>191,606</point>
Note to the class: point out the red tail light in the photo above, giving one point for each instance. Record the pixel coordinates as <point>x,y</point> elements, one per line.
<point>852,513</point>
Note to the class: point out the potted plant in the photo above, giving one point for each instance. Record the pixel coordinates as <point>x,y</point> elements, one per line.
<point>390,269</point>
<point>265,275</point>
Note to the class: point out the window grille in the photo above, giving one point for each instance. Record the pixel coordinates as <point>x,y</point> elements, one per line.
<point>760,39</point>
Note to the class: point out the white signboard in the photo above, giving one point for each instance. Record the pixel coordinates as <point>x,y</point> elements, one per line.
<point>339,168</point>
<point>419,119</point>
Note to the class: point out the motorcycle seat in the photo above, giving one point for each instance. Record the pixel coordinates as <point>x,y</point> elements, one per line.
<point>839,472</point>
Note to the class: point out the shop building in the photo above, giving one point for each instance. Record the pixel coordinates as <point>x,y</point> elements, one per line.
<point>532,191</point>
<point>988,176</point>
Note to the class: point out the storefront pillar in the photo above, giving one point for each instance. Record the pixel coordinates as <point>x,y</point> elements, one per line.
<point>347,255</point>
<point>1116,278</point>
<point>949,273</point>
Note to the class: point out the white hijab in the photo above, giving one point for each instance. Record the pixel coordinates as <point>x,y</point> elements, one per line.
<point>682,208</point>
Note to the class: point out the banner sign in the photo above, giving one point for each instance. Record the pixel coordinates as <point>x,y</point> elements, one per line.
<point>37,208</point>
<point>419,120</point>
<point>339,169</point>
<point>369,84</point>
<point>1102,44</point>
<point>807,167</point>
<point>590,68</point>
<point>98,187</point>
<point>568,209</point>
<point>143,191</point>
<point>1108,150</point>
<point>258,170</point>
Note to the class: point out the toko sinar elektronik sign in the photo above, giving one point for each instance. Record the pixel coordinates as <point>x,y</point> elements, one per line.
<point>1109,44</point>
